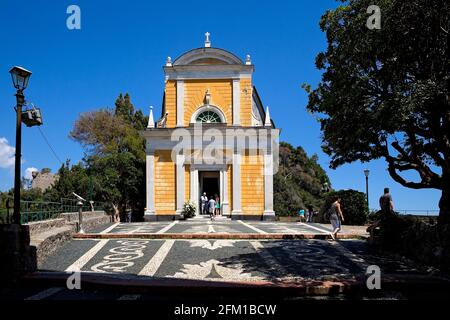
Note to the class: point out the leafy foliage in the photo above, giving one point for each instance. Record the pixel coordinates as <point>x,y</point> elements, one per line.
<point>385,93</point>
<point>115,155</point>
<point>353,206</point>
<point>72,178</point>
<point>298,182</point>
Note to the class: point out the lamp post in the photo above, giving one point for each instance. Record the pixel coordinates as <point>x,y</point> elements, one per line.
<point>20,78</point>
<point>366,173</point>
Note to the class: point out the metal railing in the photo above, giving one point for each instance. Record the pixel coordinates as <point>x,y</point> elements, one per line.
<point>427,213</point>
<point>32,211</point>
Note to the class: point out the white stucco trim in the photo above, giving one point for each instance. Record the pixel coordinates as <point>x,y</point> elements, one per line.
<point>194,196</point>
<point>150,183</point>
<point>208,53</point>
<point>206,108</point>
<point>180,103</point>
<point>268,185</point>
<point>225,197</point>
<point>180,183</point>
<point>236,183</point>
<point>236,102</point>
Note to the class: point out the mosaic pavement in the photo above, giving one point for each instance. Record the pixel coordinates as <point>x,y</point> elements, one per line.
<point>217,260</point>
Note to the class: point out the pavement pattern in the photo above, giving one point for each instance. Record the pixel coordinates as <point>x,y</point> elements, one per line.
<point>251,262</point>
<point>236,260</point>
<point>203,225</point>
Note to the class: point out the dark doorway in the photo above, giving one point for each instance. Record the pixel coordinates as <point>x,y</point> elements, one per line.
<point>210,186</point>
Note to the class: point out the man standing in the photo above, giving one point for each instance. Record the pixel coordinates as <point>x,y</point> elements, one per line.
<point>204,201</point>
<point>387,208</point>
<point>386,203</point>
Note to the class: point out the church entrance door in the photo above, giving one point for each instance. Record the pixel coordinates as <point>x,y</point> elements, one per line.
<point>209,182</point>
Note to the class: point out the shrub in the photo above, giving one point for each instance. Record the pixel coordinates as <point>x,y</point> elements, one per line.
<point>353,205</point>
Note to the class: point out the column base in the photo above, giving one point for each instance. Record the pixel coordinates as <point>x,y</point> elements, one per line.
<point>226,209</point>
<point>269,215</point>
<point>178,214</point>
<point>149,215</point>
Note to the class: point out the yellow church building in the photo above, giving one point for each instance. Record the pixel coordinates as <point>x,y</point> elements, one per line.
<point>214,136</point>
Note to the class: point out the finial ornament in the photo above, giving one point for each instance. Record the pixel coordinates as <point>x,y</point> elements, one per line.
<point>169,62</point>
<point>207,41</point>
<point>267,122</point>
<point>151,122</point>
<point>248,60</point>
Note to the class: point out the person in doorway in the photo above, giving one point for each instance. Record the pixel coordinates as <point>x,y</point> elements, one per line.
<point>211,207</point>
<point>336,216</point>
<point>204,203</point>
<point>217,208</point>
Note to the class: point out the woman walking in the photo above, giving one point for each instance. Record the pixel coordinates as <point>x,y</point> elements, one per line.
<point>336,217</point>
<point>217,211</point>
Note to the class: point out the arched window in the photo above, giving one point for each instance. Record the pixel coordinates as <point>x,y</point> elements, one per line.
<point>208,117</point>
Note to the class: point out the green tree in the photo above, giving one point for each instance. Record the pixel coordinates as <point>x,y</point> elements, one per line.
<point>353,205</point>
<point>115,154</point>
<point>385,93</point>
<point>71,178</point>
<point>298,182</point>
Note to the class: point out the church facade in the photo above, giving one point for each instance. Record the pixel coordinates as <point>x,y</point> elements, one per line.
<point>214,136</point>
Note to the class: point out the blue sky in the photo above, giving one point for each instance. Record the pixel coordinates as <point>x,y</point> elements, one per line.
<point>122,46</point>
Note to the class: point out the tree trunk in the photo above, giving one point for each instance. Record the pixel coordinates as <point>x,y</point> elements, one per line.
<point>444,206</point>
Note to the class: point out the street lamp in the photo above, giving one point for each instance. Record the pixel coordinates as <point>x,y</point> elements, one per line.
<point>366,173</point>
<point>20,78</point>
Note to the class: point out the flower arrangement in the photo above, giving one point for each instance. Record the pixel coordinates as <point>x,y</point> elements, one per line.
<point>189,209</point>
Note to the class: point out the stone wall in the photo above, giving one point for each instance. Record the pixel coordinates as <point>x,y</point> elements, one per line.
<point>17,256</point>
<point>49,235</point>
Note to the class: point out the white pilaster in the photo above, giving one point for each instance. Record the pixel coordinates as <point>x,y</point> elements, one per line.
<point>236,102</point>
<point>150,183</point>
<point>180,103</point>
<point>180,183</point>
<point>268,187</point>
<point>194,196</point>
<point>236,183</point>
<point>225,200</point>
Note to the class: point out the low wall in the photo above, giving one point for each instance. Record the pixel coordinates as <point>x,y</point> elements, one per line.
<point>48,235</point>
